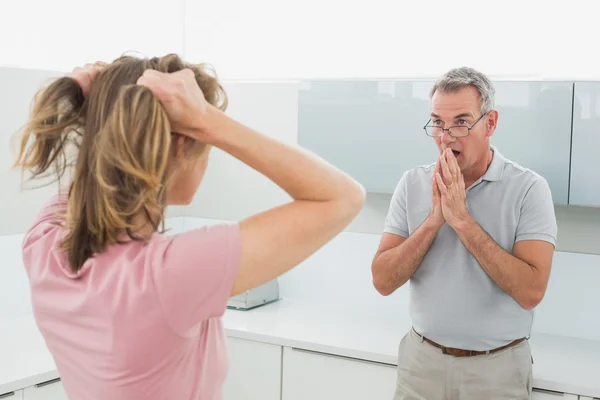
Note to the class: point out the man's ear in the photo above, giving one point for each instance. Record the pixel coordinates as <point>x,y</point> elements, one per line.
<point>492,122</point>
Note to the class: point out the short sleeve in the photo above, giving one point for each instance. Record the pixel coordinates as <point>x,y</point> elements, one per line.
<point>396,220</point>
<point>537,220</point>
<point>194,273</point>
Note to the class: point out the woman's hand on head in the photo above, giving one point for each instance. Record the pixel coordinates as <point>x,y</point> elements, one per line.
<point>183,101</point>
<point>84,76</point>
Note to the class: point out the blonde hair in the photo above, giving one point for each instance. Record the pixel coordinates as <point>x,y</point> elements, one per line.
<point>121,137</point>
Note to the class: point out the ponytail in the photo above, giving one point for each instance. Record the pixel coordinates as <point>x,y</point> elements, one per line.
<point>54,123</point>
<point>121,176</point>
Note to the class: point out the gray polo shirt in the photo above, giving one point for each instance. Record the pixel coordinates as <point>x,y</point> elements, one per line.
<point>452,299</point>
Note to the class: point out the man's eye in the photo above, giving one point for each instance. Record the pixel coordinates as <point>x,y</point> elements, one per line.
<point>462,122</point>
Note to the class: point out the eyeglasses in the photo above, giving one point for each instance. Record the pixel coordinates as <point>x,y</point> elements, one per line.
<point>454,131</point>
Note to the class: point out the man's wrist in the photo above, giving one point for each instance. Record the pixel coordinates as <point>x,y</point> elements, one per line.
<point>462,224</point>
<point>431,224</point>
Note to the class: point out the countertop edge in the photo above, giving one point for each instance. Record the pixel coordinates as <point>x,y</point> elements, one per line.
<point>29,381</point>
<point>313,346</point>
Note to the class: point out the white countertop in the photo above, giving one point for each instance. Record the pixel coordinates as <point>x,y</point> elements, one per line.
<point>562,364</point>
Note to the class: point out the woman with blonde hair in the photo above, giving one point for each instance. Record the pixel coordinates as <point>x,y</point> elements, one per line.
<point>126,311</point>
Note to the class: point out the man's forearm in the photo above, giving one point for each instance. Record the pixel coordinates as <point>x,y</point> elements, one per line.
<point>394,267</point>
<point>511,274</point>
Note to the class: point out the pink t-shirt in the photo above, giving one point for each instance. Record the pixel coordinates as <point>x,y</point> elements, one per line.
<point>139,321</point>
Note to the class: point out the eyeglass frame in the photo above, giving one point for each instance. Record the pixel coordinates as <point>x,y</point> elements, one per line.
<point>455,126</point>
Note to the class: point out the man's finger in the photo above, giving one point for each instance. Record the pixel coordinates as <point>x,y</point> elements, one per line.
<point>440,184</point>
<point>446,170</point>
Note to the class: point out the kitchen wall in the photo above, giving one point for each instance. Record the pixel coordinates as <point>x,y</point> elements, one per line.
<point>230,190</point>
<point>233,191</point>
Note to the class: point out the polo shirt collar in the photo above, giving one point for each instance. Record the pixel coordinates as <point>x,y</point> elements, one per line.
<point>496,169</point>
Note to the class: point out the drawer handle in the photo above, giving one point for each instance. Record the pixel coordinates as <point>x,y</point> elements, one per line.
<point>5,395</point>
<point>550,392</point>
<point>50,382</point>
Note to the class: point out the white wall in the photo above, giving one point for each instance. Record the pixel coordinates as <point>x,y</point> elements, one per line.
<point>388,38</point>
<point>61,34</point>
<point>230,189</point>
<point>309,39</point>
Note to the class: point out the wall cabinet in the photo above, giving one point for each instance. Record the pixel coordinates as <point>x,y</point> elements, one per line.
<point>371,130</point>
<point>374,130</point>
<point>254,371</point>
<point>317,376</point>
<point>534,129</point>
<point>50,390</point>
<point>585,169</point>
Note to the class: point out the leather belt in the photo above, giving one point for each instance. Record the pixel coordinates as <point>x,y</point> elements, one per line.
<point>469,353</point>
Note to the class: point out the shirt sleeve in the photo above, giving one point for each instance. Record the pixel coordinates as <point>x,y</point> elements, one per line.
<point>194,273</point>
<point>396,221</point>
<point>538,220</point>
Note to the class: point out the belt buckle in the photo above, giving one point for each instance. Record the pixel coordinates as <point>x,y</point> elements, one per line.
<point>445,350</point>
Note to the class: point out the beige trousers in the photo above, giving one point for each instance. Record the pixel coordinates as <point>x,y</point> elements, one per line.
<point>424,373</point>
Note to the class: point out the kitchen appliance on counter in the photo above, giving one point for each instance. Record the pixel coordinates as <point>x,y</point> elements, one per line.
<point>259,296</point>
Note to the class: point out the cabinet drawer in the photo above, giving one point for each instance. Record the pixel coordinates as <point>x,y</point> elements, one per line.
<point>541,394</point>
<point>50,390</point>
<point>318,376</point>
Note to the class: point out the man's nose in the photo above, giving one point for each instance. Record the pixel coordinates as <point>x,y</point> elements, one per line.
<point>446,137</point>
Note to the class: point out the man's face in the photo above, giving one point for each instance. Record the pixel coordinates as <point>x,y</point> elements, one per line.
<point>462,109</point>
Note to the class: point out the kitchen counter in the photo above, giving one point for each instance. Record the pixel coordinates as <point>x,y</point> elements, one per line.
<point>562,364</point>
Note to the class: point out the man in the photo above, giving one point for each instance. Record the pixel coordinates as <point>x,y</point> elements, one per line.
<point>475,234</point>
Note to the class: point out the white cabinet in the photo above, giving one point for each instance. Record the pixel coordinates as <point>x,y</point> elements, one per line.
<point>540,394</point>
<point>385,119</point>
<point>50,390</point>
<point>584,189</point>
<point>317,376</point>
<point>16,395</point>
<point>254,371</point>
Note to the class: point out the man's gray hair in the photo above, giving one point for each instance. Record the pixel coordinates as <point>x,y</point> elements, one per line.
<point>458,78</point>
